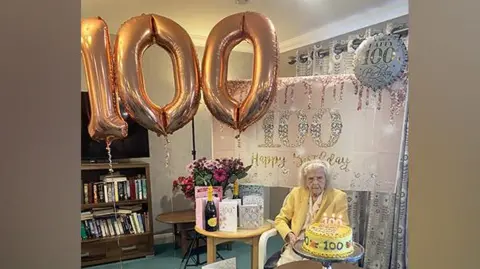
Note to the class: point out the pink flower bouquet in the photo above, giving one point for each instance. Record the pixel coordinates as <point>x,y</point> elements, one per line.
<point>218,172</point>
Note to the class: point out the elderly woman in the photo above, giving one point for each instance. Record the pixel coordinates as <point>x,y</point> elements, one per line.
<point>306,204</point>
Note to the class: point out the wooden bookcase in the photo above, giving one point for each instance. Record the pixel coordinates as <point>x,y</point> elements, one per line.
<point>99,249</point>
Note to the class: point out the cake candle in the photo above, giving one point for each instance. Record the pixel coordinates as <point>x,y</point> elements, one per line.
<point>339,220</point>
<point>332,219</point>
<point>325,219</point>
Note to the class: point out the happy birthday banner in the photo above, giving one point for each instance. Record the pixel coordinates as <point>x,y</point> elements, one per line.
<point>333,118</point>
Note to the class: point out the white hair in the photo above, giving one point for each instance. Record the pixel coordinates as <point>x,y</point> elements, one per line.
<point>313,165</point>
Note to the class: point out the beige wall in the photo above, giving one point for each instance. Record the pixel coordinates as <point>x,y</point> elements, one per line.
<point>158,72</point>
<point>444,99</point>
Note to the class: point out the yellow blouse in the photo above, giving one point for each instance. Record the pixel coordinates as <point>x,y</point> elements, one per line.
<point>294,211</point>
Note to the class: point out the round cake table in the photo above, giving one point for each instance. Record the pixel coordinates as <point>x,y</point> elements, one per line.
<point>357,254</point>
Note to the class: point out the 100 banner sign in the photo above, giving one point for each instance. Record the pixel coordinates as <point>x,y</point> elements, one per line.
<point>315,125</point>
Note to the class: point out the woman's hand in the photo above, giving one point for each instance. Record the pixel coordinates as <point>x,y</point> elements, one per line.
<point>291,238</point>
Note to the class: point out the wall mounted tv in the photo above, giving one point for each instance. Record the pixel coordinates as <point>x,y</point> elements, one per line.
<point>135,145</point>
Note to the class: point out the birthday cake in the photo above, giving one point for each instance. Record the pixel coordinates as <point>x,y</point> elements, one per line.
<point>328,240</point>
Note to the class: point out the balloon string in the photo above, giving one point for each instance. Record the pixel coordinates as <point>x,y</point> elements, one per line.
<point>169,173</point>
<point>110,163</point>
<point>115,213</point>
<point>167,152</point>
<point>239,143</point>
<point>221,126</point>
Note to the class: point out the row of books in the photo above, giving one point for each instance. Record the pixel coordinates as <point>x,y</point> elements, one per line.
<point>110,211</point>
<point>114,191</point>
<point>101,223</point>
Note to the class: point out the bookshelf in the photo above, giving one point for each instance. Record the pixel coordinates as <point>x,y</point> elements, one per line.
<point>108,239</point>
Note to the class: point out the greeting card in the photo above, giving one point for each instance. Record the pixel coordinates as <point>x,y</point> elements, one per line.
<point>251,189</point>
<point>228,216</point>
<point>238,201</point>
<point>250,217</point>
<point>254,200</point>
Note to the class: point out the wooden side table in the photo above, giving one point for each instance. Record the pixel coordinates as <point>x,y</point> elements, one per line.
<point>250,237</point>
<point>182,221</point>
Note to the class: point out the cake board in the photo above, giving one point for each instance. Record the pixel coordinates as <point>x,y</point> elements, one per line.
<point>357,254</point>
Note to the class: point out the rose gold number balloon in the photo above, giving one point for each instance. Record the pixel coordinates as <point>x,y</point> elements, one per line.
<point>135,36</point>
<point>106,122</point>
<point>228,33</point>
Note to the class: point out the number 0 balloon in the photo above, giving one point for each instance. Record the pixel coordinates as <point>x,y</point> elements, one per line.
<point>134,38</point>
<point>228,33</point>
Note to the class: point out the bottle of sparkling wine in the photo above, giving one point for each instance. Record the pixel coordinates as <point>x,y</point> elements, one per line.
<point>236,196</point>
<point>235,190</point>
<point>211,222</point>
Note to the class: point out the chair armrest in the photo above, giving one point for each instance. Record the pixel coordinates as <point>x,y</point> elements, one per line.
<point>262,246</point>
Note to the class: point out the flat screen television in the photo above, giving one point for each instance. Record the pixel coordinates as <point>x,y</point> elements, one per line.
<point>135,145</point>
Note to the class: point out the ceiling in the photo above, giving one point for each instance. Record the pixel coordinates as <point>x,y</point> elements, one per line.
<point>296,21</point>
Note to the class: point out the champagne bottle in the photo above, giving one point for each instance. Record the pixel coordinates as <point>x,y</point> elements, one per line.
<point>235,190</point>
<point>211,221</point>
<point>236,196</point>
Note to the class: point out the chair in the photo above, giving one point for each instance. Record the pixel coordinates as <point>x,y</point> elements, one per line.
<point>271,262</point>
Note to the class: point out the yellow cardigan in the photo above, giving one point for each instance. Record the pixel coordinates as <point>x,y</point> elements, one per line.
<point>294,211</point>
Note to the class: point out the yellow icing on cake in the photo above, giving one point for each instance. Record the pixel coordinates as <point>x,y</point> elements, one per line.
<point>329,241</point>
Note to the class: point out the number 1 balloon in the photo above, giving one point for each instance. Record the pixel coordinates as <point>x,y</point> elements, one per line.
<point>106,122</point>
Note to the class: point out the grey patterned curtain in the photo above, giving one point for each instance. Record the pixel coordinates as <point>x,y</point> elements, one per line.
<point>379,220</point>
<point>399,255</point>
